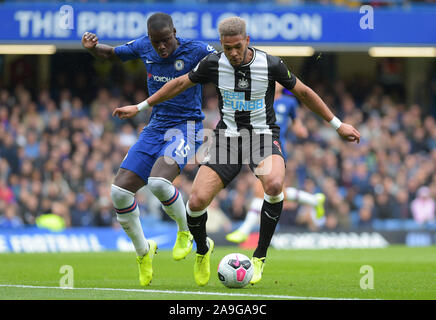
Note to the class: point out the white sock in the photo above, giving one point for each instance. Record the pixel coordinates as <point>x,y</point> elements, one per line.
<point>194,214</point>
<point>273,199</point>
<point>252,218</point>
<point>128,217</point>
<point>301,196</point>
<point>171,199</point>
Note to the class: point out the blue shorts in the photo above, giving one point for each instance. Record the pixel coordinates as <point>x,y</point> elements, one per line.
<point>179,143</point>
<point>283,150</point>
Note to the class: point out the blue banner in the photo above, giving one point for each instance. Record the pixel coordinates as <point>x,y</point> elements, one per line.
<point>28,240</point>
<point>63,23</point>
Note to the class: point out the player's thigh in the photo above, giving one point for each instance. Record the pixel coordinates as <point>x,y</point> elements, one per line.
<point>271,173</point>
<point>165,167</point>
<point>137,164</point>
<point>224,157</point>
<point>206,185</point>
<point>128,180</point>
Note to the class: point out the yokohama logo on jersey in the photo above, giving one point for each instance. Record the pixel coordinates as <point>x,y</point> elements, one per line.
<point>159,78</point>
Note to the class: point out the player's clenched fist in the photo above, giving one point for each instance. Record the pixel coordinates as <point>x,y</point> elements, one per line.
<point>89,40</point>
<point>349,133</point>
<point>126,112</point>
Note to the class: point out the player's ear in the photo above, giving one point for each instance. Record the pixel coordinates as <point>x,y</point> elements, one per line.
<point>248,40</point>
<point>174,31</point>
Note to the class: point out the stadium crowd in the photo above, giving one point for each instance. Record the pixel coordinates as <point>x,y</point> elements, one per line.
<point>60,149</point>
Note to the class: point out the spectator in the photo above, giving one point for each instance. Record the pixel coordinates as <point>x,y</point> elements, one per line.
<point>6,193</point>
<point>218,220</point>
<point>423,207</point>
<point>403,204</point>
<point>127,136</point>
<point>10,218</point>
<point>366,212</point>
<point>384,206</point>
<point>31,149</point>
<point>9,151</point>
<point>82,215</point>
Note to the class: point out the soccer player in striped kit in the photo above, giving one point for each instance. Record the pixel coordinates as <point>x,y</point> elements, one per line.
<point>247,133</point>
<point>285,107</point>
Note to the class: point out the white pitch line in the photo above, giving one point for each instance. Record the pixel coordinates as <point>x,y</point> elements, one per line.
<point>204,293</point>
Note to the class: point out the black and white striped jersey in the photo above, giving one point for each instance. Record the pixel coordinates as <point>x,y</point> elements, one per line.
<point>246,93</point>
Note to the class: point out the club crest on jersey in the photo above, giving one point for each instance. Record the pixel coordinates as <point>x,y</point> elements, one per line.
<point>179,65</point>
<point>243,83</point>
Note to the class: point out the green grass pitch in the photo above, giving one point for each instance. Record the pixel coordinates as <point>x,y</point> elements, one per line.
<point>398,273</point>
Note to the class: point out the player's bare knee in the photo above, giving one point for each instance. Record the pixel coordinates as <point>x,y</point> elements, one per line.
<point>119,194</point>
<point>158,186</point>
<point>197,203</point>
<point>274,186</point>
<point>128,180</point>
<point>123,201</point>
<point>115,195</point>
<point>121,180</point>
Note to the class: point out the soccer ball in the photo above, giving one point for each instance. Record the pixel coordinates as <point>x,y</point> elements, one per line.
<point>235,270</point>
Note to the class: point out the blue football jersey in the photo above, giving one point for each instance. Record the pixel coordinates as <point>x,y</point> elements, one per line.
<point>285,107</point>
<point>185,106</point>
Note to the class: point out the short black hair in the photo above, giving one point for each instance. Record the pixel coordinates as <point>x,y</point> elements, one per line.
<point>159,21</point>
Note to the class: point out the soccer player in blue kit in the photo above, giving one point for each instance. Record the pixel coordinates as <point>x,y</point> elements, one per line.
<point>167,143</point>
<point>285,107</point>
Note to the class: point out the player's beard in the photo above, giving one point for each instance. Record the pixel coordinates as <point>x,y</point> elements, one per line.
<point>243,59</point>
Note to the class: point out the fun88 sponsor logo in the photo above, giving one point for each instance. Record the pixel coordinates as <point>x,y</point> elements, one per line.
<point>236,101</point>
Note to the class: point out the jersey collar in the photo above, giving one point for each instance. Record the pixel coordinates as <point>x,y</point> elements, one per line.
<point>248,63</point>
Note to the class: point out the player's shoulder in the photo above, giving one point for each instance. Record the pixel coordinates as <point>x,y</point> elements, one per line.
<point>212,58</point>
<point>258,50</point>
<point>195,44</point>
<point>208,63</point>
<point>262,52</point>
<point>141,44</point>
<point>272,60</point>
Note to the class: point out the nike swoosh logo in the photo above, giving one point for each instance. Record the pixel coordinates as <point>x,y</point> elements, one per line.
<point>271,217</point>
<point>148,61</point>
<point>193,225</point>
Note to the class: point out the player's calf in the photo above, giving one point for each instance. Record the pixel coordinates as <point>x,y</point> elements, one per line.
<point>128,216</point>
<point>269,218</point>
<point>197,226</point>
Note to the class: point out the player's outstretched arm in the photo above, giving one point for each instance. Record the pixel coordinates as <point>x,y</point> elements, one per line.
<point>98,50</point>
<point>309,98</point>
<point>167,92</point>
